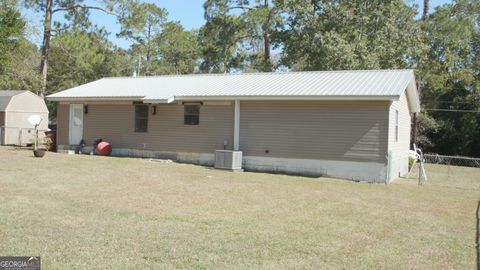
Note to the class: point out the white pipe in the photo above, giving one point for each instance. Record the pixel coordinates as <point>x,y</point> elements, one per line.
<point>236,127</point>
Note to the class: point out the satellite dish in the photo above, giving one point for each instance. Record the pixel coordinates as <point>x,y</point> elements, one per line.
<point>35,119</point>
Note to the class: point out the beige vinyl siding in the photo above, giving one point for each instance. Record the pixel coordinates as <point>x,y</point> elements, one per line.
<point>323,130</point>
<point>404,124</point>
<point>63,118</point>
<point>399,149</point>
<point>166,129</point>
<point>2,129</point>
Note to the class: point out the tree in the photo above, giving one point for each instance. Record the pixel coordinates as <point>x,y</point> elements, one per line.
<point>426,127</point>
<point>142,28</point>
<point>11,31</point>
<point>237,35</point>
<point>260,19</point>
<point>449,75</point>
<point>21,72</point>
<point>219,44</point>
<point>118,8</point>
<point>18,56</point>
<point>177,50</point>
<point>340,34</point>
<point>426,9</point>
<point>73,65</point>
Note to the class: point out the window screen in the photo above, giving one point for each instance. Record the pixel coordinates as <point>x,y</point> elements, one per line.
<point>141,118</point>
<point>191,114</point>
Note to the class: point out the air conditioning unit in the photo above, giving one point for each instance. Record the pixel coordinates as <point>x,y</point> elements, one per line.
<point>228,160</point>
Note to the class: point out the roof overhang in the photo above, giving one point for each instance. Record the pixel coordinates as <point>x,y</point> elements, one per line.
<point>413,96</point>
<point>224,98</point>
<point>268,98</point>
<point>76,99</point>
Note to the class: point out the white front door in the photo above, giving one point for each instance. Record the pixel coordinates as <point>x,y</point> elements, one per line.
<point>76,124</point>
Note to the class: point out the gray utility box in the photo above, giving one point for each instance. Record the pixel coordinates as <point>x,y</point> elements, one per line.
<point>228,160</point>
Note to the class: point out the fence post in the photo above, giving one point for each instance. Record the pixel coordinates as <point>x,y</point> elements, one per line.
<point>389,166</point>
<point>477,240</point>
<point>19,136</point>
<point>422,176</point>
<point>449,168</point>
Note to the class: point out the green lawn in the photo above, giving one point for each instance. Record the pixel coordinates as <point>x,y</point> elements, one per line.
<point>85,212</point>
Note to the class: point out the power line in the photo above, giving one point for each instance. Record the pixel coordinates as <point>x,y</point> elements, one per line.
<point>442,101</point>
<point>451,110</point>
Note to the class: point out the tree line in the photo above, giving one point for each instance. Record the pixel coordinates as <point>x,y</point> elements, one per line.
<point>442,46</point>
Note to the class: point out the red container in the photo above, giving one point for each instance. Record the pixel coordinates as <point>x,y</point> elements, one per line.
<point>103,149</point>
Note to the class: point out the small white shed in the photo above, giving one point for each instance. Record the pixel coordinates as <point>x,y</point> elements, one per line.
<point>15,108</point>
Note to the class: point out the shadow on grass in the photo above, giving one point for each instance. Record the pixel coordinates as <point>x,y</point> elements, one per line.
<point>17,148</point>
<point>273,172</point>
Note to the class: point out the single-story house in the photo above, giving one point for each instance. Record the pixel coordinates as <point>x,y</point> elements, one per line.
<point>15,108</point>
<point>346,124</point>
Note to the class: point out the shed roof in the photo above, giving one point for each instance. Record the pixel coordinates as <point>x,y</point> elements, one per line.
<point>335,85</point>
<point>6,97</point>
<point>21,101</point>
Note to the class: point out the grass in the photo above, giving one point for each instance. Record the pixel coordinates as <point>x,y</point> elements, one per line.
<point>86,212</point>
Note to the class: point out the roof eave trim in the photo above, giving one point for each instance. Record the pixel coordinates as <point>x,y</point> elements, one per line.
<point>157,101</point>
<point>413,96</point>
<point>216,98</point>
<point>139,98</point>
<point>304,98</point>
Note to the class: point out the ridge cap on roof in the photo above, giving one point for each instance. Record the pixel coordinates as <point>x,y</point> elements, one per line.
<point>256,73</point>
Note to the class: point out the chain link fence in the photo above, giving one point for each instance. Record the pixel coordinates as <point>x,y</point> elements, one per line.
<point>453,171</point>
<point>18,136</point>
<point>452,160</point>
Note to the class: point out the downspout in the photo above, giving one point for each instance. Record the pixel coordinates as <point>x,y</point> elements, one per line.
<point>389,165</point>
<point>389,152</point>
<point>414,133</point>
<point>4,142</point>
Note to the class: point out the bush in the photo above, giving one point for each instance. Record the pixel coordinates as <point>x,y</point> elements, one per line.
<point>411,160</point>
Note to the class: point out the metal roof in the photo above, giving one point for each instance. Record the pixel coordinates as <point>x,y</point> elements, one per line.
<point>353,85</point>
<point>6,96</point>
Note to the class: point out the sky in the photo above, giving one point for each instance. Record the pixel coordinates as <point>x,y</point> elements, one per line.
<point>188,12</point>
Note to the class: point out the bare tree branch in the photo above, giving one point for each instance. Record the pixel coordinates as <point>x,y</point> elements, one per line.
<point>241,7</point>
<point>85,7</point>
